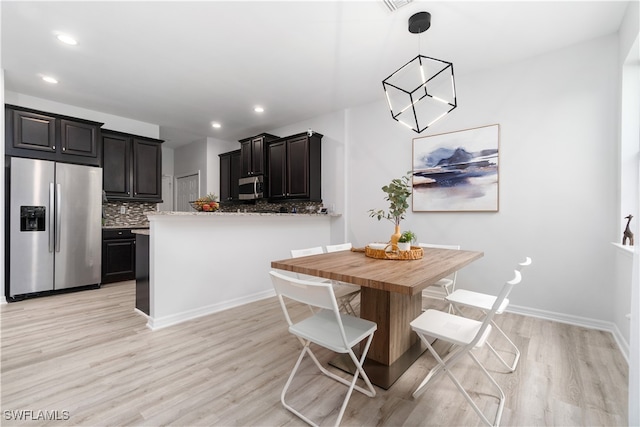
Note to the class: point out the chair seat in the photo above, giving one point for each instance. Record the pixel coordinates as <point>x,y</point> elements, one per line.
<point>323,330</point>
<point>476,300</point>
<point>449,327</point>
<point>443,283</point>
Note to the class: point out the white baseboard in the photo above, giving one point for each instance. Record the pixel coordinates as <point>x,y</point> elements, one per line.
<point>623,345</point>
<point>163,322</point>
<point>584,322</point>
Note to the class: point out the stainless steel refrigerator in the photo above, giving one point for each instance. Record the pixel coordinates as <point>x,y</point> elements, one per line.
<point>54,226</point>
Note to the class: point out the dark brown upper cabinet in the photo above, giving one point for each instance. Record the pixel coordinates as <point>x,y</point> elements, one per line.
<point>229,175</point>
<point>36,134</point>
<point>132,167</point>
<point>253,154</point>
<point>294,168</point>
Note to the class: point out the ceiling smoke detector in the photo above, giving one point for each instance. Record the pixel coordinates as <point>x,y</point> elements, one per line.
<point>396,4</point>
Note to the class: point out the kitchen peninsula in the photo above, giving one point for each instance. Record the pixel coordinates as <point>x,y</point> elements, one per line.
<point>201,263</point>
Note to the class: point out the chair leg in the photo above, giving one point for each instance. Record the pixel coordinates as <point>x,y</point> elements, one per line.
<point>516,353</point>
<point>288,383</point>
<point>444,367</point>
<point>369,391</point>
<point>501,397</point>
<point>516,350</point>
<point>444,364</point>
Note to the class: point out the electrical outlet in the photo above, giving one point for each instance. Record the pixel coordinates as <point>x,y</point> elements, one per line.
<point>123,210</point>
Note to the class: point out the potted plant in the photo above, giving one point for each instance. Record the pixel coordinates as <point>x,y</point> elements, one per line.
<point>405,240</point>
<point>398,192</point>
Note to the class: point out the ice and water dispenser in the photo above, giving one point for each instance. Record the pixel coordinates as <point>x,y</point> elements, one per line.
<point>32,218</point>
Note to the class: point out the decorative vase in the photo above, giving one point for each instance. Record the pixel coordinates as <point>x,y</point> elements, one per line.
<point>394,238</point>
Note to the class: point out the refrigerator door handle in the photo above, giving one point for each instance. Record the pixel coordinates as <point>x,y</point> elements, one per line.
<point>58,216</point>
<point>52,234</point>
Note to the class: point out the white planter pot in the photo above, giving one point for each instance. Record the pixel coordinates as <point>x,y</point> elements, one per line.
<point>404,246</point>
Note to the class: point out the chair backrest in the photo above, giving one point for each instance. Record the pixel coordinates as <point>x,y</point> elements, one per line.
<point>433,245</point>
<point>504,292</point>
<point>297,253</point>
<point>314,294</point>
<point>340,247</point>
<point>527,262</point>
<point>454,275</point>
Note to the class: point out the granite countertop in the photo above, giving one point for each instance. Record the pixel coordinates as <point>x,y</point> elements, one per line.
<point>126,226</point>
<point>165,213</point>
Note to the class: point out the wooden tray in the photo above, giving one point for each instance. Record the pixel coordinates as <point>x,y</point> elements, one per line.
<point>415,252</point>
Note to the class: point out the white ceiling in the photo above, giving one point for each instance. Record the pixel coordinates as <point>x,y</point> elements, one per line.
<point>182,65</point>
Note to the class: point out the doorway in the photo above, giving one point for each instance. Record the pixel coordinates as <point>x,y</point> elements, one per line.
<point>187,189</point>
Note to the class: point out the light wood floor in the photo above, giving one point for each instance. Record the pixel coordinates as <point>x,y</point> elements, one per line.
<point>90,354</point>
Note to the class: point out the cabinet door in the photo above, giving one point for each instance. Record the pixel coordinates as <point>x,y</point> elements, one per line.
<point>225,177</point>
<point>78,139</point>
<point>118,260</point>
<point>257,156</point>
<point>245,158</point>
<point>34,131</point>
<point>116,168</point>
<point>298,168</point>
<point>147,170</point>
<point>234,188</point>
<point>229,175</point>
<point>277,170</point>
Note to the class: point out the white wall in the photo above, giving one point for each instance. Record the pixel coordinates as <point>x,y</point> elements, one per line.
<point>558,122</point>
<point>168,155</point>
<point>202,156</point>
<point>191,158</point>
<point>558,177</point>
<point>629,60</point>
<point>212,276</point>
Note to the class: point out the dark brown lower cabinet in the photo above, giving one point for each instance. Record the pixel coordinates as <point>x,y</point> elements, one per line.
<point>142,273</point>
<point>118,255</point>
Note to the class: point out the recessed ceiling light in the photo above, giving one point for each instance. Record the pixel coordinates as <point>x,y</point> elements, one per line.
<point>258,109</point>
<point>49,79</point>
<point>216,125</point>
<point>67,39</point>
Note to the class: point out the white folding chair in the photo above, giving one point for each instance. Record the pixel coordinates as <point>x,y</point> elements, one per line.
<point>444,286</point>
<point>483,302</point>
<point>326,327</point>
<point>345,292</point>
<point>464,335</point>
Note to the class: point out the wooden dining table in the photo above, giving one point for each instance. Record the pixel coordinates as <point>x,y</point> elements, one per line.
<point>391,296</point>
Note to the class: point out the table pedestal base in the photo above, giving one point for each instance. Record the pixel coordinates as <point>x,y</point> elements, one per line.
<point>382,375</point>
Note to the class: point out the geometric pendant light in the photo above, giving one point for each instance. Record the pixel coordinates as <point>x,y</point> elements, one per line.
<point>423,90</point>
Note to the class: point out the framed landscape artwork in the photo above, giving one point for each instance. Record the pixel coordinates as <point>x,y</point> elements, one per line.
<point>457,171</point>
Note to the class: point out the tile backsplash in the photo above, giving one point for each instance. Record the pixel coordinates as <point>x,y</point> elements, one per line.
<point>133,213</point>
<point>113,216</point>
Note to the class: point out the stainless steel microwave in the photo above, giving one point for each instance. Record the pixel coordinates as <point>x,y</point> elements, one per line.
<point>251,188</point>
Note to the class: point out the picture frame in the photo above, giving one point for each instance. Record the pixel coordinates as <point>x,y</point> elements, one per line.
<point>457,171</point>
